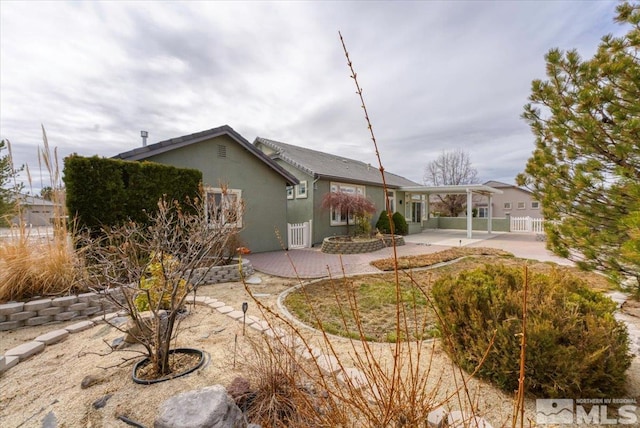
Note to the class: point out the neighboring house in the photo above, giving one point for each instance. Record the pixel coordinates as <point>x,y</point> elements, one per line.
<point>36,211</point>
<point>227,158</point>
<point>319,173</point>
<point>514,201</point>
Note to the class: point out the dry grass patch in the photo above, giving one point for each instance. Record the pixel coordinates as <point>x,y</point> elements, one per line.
<point>30,268</point>
<point>425,260</point>
<point>374,296</point>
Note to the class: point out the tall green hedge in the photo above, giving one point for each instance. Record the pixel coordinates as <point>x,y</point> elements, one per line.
<point>106,192</point>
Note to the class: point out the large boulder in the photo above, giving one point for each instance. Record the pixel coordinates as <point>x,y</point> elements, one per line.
<point>209,407</point>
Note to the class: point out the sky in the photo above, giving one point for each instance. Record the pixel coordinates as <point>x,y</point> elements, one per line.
<point>436,75</point>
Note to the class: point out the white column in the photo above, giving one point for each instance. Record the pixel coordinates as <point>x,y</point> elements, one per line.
<point>469,214</point>
<point>490,215</point>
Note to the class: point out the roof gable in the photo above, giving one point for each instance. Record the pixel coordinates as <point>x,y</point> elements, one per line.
<point>329,166</point>
<point>145,152</point>
<point>501,185</point>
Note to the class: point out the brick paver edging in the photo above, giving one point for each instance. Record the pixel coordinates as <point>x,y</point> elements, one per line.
<point>14,315</point>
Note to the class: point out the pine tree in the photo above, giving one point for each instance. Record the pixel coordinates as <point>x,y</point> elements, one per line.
<point>585,169</point>
<point>8,186</point>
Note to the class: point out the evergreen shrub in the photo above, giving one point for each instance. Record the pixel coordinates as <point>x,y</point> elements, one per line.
<point>574,346</point>
<point>383,224</point>
<point>401,226</point>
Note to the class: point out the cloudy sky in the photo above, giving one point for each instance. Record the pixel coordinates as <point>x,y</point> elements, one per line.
<point>436,75</point>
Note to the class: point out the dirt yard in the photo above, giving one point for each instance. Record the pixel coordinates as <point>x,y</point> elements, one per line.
<point>48,385</point>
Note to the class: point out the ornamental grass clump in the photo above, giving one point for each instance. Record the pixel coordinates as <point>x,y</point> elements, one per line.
<point>574,346</point>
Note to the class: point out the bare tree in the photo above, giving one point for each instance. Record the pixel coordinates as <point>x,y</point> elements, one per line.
<point>152,268</point>
<point>450,168</point>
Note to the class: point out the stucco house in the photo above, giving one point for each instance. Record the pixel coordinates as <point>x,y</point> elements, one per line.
<point>35,211</point>
<point>514,201</point>
<point>227,158</point>
<point>319,173</point>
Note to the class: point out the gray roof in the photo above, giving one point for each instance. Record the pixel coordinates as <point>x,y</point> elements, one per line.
<point>145,152</point>
<point>328,166</point>
<point>501,185</point>
<point>33,200</point>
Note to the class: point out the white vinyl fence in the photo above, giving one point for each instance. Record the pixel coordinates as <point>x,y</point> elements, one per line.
<point>299,235</point>
<point>527,224</point>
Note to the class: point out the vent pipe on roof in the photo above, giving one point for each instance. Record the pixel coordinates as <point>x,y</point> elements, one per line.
<point>144,135</point>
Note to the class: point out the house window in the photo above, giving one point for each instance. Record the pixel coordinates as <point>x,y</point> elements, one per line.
<point>339,218</point>
<point>535,205</point>
<point>483,212</point>
<point>522,205</point>
<point>391,196</point>
<point>301,190</point>
<point>223,207</point>
<point>289,192</point>
<point>507,205</point>
<point>416,208</point>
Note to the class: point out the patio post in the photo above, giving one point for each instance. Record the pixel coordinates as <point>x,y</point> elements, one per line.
<point>469,214</point>
<point>490,216</point>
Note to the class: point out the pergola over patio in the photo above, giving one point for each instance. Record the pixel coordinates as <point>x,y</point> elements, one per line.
<point>461,189</point>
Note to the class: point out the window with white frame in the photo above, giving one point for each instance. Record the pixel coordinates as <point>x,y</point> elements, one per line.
<point>391,196</point>
<point>289,192</point>
<point>483,212</point>
<point>522,205</point>
<point>535,205</point>
<point>507,205</point>
<point>301,190</point>
<point>223,207</point>
<point>417,207</point>
<point>339,218</point>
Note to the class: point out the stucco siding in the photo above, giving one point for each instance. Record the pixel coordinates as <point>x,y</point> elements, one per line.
<point>223,161</point>
<point>516,197</point>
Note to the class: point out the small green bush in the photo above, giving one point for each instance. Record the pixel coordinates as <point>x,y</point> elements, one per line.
<point>400,224</point>
<point>574,347</point>
<point>383,225</point>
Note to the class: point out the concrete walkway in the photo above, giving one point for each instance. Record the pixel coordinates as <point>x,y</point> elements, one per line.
<point>312,263</point>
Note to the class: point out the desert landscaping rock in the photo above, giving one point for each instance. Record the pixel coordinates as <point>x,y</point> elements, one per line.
<point>50,421</point>
<point>437,418</point>
<point>328,363</point>
<point>207,407</point>
<point>25,350</point>
<point>253,280</point>
<point>101,402</point>
<point>52,337</point>
<point>90,380</point>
